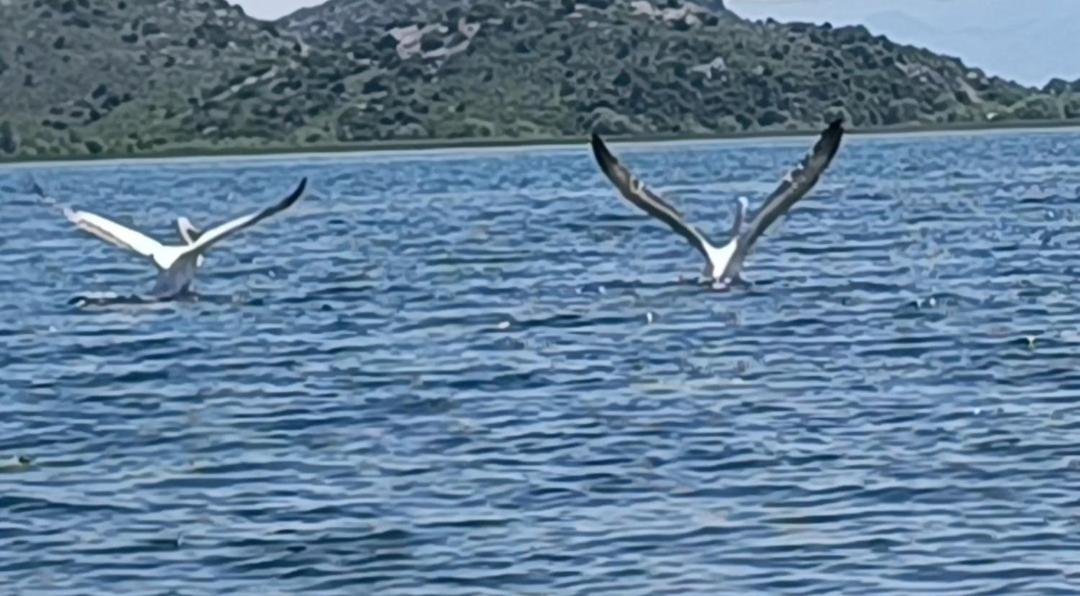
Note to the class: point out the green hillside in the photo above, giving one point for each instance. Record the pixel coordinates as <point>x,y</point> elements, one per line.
<point>147,76</point>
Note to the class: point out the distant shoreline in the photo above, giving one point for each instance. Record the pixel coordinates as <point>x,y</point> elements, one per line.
<point>403,146</point>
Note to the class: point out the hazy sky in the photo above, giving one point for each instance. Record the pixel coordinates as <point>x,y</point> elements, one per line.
<point>272,9</point>
<point>1028,41</point>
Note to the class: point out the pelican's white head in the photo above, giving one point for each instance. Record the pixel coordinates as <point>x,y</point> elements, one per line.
<point>742,204</point>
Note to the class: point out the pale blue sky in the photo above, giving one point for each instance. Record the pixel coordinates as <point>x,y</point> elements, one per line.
<point>1026,40</point>
<point>272,9</point>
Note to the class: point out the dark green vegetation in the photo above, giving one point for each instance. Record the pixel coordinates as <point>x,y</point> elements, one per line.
<point>119,77</point>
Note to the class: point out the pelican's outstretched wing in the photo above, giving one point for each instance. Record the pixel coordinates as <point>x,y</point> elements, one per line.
<point>216,234</point>
<point>114,233</point>
<point>637,193</point>
<point>106,229</point>
<point>796,183</point>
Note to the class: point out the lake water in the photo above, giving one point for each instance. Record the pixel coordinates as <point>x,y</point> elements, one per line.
<point>482,372</point>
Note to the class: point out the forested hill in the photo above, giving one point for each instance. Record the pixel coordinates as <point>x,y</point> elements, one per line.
<point>146,76</point>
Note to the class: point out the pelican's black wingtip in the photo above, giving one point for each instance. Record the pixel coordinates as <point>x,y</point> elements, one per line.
<point>299,190</point>
<point>597,142</point>
<point>601,153</point>
<point>834,132</point>
<point>293,197</point>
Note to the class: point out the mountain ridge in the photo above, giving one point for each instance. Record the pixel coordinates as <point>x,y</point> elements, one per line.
<point>132,77</point>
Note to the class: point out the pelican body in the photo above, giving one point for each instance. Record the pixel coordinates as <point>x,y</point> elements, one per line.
<point>724,262</point>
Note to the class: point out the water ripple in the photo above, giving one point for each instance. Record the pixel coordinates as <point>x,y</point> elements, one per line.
<point>454,373</point>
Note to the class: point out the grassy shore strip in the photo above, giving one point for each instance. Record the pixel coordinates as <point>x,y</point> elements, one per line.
<point>492,143</point>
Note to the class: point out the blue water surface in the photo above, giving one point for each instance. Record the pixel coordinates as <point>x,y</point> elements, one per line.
<point>483,372</point>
